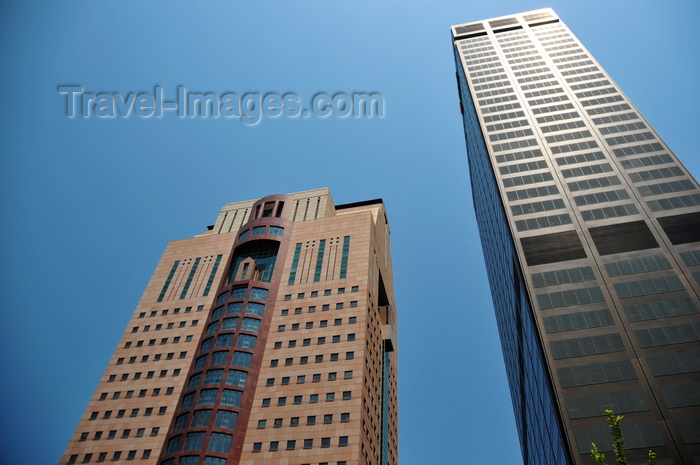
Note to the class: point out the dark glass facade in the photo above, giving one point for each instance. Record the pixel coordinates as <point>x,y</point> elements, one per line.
<point>591,236</point>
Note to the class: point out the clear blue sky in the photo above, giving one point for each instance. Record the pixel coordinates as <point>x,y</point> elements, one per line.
<point>88,205</point>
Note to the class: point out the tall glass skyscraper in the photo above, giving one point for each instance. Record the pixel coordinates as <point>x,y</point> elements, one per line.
<point>591,234</point>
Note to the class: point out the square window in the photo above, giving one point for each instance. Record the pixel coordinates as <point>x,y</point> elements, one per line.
<point>327,419</point>
<point>294,421</point>
<point>339,305</point>
<point>325,442</point>
<point>327,292</point>
<point>323,323</point>
<point>266,402</point>
<point>348,375</point>
<point>334,357</point>
<point>295,326</point>
<point>336,338</point>
<point>338,321</point>
<point>301,379</point>
<point>355,288</point>
<point>312,309</point>
<point>353,303</point>
<point>319,358</point>
<point>278,345</point>
<point>285,380</point>
<point>297,311</point>
<point>349,355</point>
<point>282,401</point>
<point>341,290</point>
<point>303,360</point>
<point>262,424</point>
<point>314,293</point>
<point>351,337</point>
<point>121,413</point>
<point>112,434</point>
<point>285,312</point>
<point>344,417</point>
<point>257,447</point>
<point>300,295</point>
<point>270,382</point>
<point>347,395</point>
<point>140,432</point>
<point>330,396</point>
<point>277,423</point>
<point>306,342</point>
<point>291,444</point>
<point>288,361</point>
<point>313,398</point>
<point>325,307</point>
<point>292,343</point>
<point>308,443</point>
<point>343,441</point>
<point>281,328</point>
<point>309,324</point>
<point>317,377</point>
<point>274,363</point>
<point>311,420</point>
<point>352,319</point>
<point>274,445</point>
<point>297,400</point>
<point>288,297</point>
<point>321,340</point>
<point>332,376</point>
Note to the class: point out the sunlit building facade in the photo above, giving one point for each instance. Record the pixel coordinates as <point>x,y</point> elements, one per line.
<point>590,228</point>
<point>269,338</point>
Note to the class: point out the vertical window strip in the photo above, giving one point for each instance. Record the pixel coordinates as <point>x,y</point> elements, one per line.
<point>344,259</point>
<point>190,277</point>
<point>295,264</point>
<point>167,281</point>
<point>211,276</point>
<point>319,260</point>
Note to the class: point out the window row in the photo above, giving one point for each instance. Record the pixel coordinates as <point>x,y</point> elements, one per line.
<point>543,222</point>
<point>660,309</point>
<point>609,212</point>
<point>152,342</point>
<point>244,341</point>
<point>649,286</point>
<point>166,311</point>
<point>301,379</point>
<point>579,320</point>
<point>306,444</point>
<point>302,295</point>
<point>240,292</point>
<point>668,335</point>
<point>201,418</point>
<point>258,230</point>
<point>596,405</point>
<point>155,392</point>
<point>112,434</point>
<point>324,308</point>
<point>159,326</point>
<point>116,456</point>
<point>670,203</point>
<point>313,398</point>
<point>565,276</point>
<point>601,197</point>
<point>107,414</point>
<point>137,375</point>
<point>156,357</point>
<point>311,420</point>
<point>590,345</point>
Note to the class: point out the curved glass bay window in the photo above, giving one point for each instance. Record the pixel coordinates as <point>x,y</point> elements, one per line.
<point>262,255</point>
